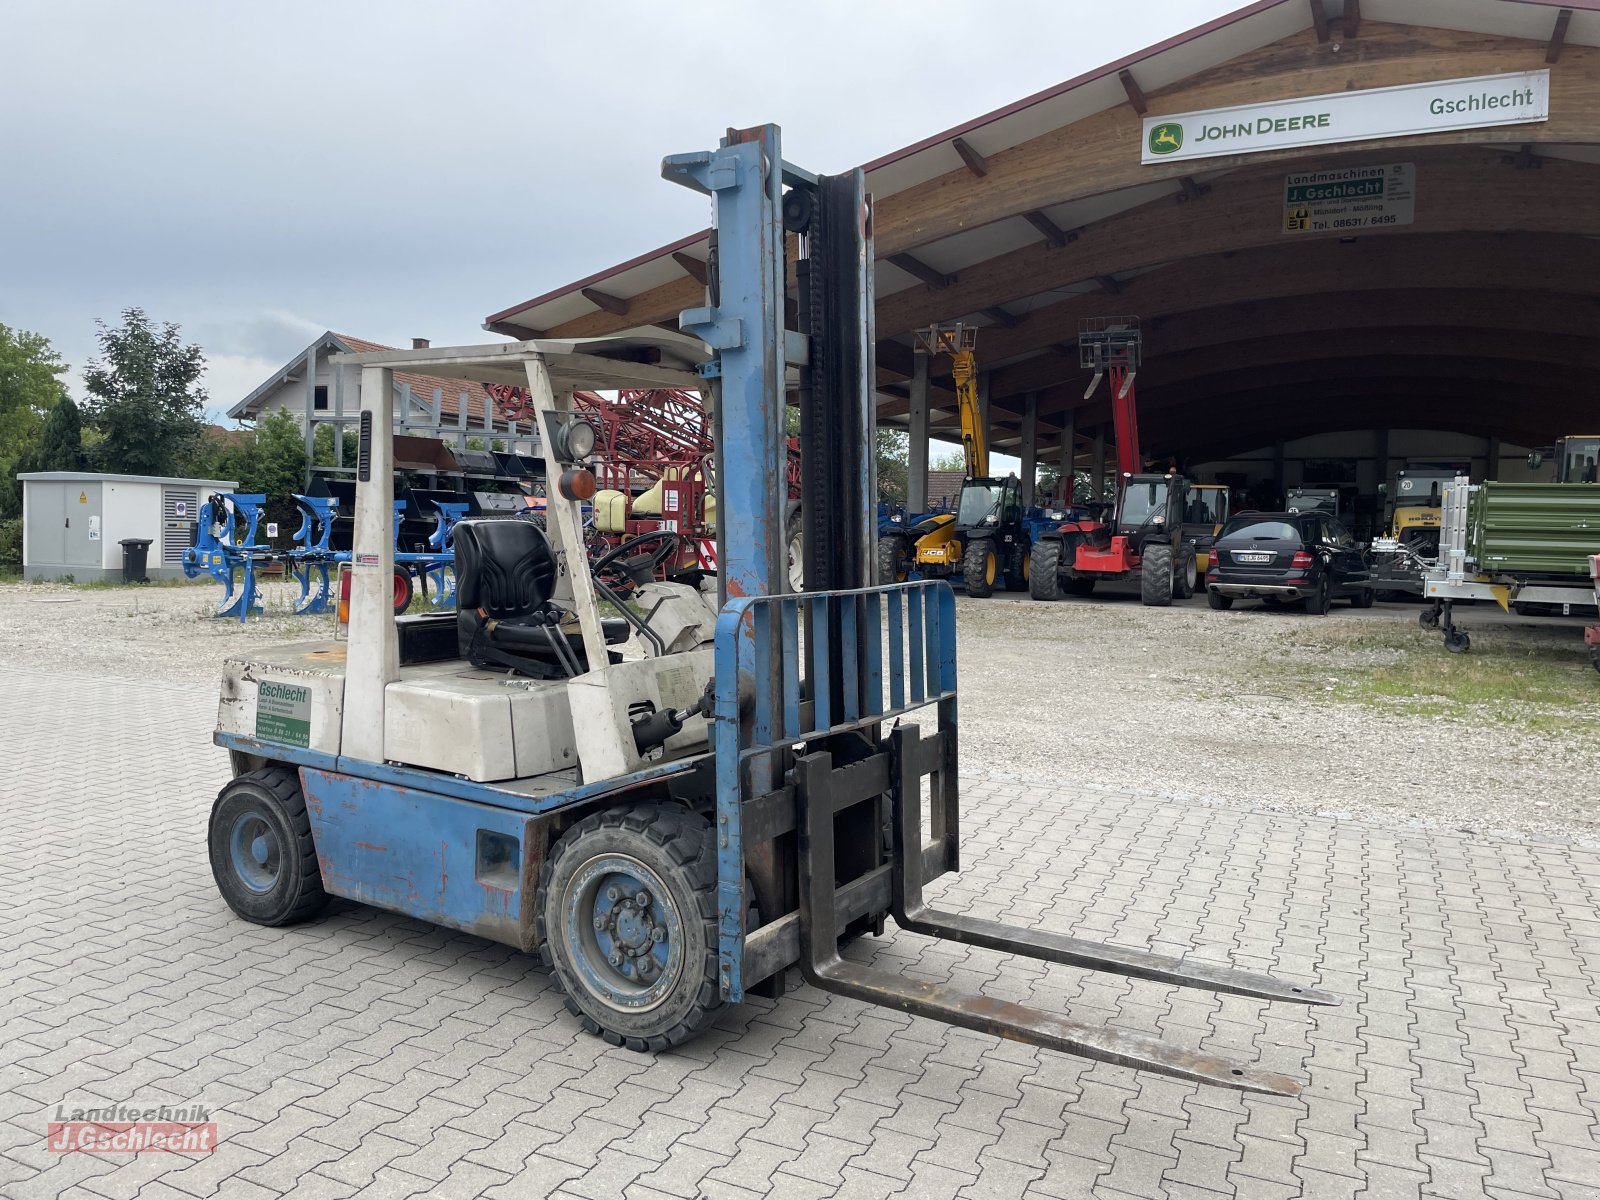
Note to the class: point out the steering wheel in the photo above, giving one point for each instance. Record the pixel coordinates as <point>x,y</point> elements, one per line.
<point>624,567</point>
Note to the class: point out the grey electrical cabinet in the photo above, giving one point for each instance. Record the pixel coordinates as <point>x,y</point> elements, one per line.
<point>73,522</point>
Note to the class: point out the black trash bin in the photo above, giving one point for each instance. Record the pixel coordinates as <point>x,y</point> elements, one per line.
<point>135,554</point>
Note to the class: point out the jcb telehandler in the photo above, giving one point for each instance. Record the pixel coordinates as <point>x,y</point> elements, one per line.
<point>985,541</point>
<point>676,822</point>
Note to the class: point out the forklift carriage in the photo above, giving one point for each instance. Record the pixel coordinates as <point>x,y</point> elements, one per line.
<point>676,830</point>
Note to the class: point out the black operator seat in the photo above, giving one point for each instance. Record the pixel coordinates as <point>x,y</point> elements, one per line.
<point>505,572</point>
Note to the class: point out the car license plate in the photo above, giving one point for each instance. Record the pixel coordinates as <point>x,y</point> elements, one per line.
<point>1245,556</point>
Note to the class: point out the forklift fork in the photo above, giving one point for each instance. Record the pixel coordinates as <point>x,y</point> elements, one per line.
<point>912,757</point>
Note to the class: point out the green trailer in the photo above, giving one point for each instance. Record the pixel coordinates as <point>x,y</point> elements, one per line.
<point>1513,543</point>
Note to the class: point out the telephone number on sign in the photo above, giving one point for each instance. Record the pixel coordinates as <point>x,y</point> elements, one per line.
<point>1353,222</point>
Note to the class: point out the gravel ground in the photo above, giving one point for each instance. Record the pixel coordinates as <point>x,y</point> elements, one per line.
<point>1244,707</point>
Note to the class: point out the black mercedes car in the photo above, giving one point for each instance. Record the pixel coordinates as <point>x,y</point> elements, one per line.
<point>1304,558</point>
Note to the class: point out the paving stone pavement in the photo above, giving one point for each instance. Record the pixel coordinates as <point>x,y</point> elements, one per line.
<point>370,1054</point>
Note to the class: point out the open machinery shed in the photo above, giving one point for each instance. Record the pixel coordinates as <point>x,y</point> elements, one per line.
<point>1359,234</point>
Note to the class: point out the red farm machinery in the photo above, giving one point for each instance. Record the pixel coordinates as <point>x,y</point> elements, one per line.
<point>1144,537</point>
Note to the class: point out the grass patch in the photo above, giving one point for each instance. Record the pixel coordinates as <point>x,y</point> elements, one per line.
<point>1535,681</point>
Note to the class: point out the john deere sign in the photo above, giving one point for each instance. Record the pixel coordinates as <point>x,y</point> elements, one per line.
<point>1483,100</point>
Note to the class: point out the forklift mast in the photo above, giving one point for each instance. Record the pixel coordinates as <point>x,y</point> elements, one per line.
<point>817,812</point>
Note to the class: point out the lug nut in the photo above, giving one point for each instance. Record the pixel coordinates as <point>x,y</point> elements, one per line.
<point>659,933</point>
<point>613,894</point>
<point>599,922</point>
<point>614,959</point>
<point>642,899</point>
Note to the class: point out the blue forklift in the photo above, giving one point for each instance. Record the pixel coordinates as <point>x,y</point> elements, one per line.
<point>679,817</point>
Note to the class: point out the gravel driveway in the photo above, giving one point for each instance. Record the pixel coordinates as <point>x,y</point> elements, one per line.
<point>1243,707</point>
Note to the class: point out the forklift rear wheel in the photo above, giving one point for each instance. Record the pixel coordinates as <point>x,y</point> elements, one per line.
<point>627,914</point>
<point>1081,585</point>
<point>980,566</point>
<point>891,560</point>
<point>262,855</point>
<point>1456,641</point>
<point>1363,598</point>
<point>1019,568</point>
<point>1044,571</point>
<point>1155,575</point>
<point>402,590</point>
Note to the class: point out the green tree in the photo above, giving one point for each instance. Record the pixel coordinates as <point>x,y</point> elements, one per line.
<point>145,396</point>
<point>270,460</point>
<point>29,391</point>
<point>322,447</point>
<point>61,444</point>
<point>948,462</point>
<point>894,447</point>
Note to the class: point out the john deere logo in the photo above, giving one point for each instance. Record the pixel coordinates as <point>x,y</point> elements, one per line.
<point>1164,139</point>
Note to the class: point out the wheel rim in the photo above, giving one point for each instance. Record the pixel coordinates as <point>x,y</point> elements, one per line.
<point>797,564</point>
<point>402,590</point>
<point>255,852</point>
<point>623,933</point>
<point>989,567</point>
<point>1027,567</point>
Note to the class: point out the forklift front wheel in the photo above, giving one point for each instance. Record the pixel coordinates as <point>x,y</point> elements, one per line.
<point>627,915</point>
<point>262,854</point>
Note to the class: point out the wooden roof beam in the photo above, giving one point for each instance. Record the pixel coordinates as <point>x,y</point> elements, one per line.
<point>976,163</point>
<point>912,265</point>
<point>615,305</point>
<point>1319,19</point>
<point>1053,233</point>
<point>693,267</point>
<point>1351,25</point>
<point>1558,36</point>
<point>1135,92</point>
<point>523,333</point>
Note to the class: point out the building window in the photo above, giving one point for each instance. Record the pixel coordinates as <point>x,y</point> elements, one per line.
<point>319,399</point>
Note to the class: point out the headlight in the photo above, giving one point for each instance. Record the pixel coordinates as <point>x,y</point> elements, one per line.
<point>1055,514</point>
<point>896,519</point>
<point>992,519</point>
<point>1159,519</point>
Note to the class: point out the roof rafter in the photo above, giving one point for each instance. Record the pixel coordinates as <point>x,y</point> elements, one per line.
<point>976,163</point>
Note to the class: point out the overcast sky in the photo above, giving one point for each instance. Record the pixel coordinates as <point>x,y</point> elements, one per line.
<point>260,172</point>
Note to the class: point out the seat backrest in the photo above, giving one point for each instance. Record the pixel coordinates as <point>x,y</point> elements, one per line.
<point>504,567</point>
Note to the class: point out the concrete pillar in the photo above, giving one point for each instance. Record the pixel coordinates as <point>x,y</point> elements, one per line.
<point>374,647</point>
<point>1030,446</point>
<point>1097,463</point>
<point>1069,454</point>
<point>917,456</point>
<point>311,401</point>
